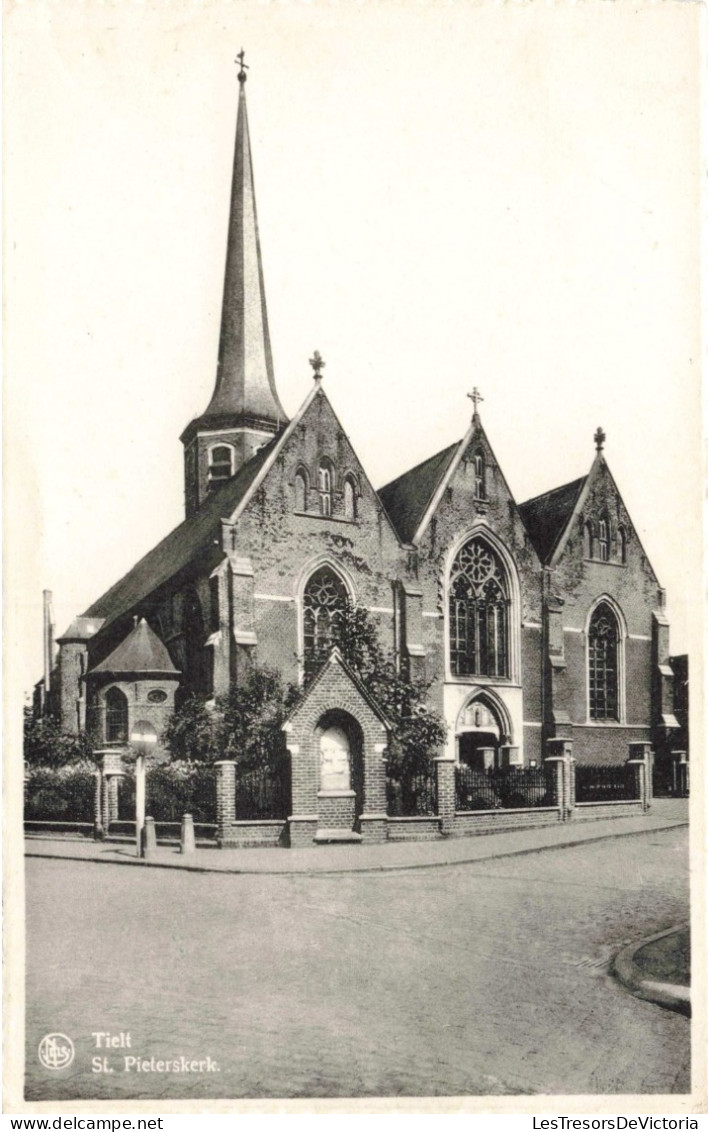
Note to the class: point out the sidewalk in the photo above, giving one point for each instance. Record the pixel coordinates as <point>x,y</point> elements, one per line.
<point>666,813</point>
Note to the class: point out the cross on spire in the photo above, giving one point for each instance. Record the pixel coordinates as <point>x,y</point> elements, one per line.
<point>475,397</point>
<point>317,364</point>
<point>242,76</point>
<point>599,439</point>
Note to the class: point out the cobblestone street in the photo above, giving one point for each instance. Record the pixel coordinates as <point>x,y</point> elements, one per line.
<point>485,978</point>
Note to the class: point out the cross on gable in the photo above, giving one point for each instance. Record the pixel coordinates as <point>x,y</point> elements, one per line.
<point>475,397</point>
<point>317,364</point>
<point>599,439</point>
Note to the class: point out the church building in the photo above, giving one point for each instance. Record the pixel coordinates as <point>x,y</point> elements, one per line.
<point>533,622</point>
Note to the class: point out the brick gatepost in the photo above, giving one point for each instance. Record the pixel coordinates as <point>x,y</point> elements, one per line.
<point>98,830</point>
<point>560,753</point>
<point>445,770</point>
<point>225,797</point>
<point>640,757</point>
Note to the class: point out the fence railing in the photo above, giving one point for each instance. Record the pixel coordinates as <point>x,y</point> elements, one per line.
<point>606,783</point>
<point>508,788</point>
<point>412,794</point>
<point>171,791</point>
<point>263,793</point>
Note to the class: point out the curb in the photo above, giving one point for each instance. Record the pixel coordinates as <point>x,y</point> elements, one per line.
<point>379,868</point>
<point>672,996</point>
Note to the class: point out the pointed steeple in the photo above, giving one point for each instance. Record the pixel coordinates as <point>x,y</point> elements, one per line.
<point>244,382</point>
<point>244,409</point>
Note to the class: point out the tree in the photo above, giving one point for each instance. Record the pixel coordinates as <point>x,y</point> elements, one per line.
<point>46,745</point>
<point>246,725</point>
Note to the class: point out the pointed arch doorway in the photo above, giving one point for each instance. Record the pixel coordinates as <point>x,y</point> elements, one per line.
<point>482,732</point>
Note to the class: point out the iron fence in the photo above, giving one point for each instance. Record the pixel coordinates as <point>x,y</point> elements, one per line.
<point>263,793</point>
<point>606,783</point>
<point>508,788</point>
<point>412,794</point>
<point>171,790</point>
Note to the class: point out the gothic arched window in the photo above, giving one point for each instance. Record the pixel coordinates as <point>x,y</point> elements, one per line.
<point>349,499</point>
<point>324,603</point>
<point>603,664</point>
<point>116,716</point>
<point>621,545</point>
<point>479,488</point>
<point>588,540</point>
<point>220,464</point>
<point>479,612</point>
<point>324,486</point>
<point>604,540</point>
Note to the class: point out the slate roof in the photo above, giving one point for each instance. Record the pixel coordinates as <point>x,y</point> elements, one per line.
<point>185,544</point>
<point>141,651</point>
<point>407,497</point>
<point>546,516</point>
<point>81,629</point>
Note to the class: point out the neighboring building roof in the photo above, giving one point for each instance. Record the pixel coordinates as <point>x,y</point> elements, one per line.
<point>407,497</point>
<point>184,544</point>
<point>141,651</point>
<point>547,516</point>
<point>81,629</point>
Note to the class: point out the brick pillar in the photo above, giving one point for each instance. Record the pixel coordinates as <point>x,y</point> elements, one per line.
<point>113,786</point>
<point>98,828</point>
<point>445,769</point>
<point>106,801</point>
<point>640,757</point>
<point>225,796</point>
<point>560,753</point>
<point>374,820</point>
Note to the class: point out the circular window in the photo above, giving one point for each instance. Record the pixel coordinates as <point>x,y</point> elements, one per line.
<point>157,696</point>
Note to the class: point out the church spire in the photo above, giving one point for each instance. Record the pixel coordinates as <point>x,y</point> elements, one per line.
<point>244,411</point>
<point>245,384</point>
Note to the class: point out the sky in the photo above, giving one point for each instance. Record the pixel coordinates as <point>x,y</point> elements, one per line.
<point>449,195</point>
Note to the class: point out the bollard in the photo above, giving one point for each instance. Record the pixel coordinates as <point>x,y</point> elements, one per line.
<point>187,844</point>
<point>148,838</point>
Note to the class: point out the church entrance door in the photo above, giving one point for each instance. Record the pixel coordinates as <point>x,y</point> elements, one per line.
<point>480,737</point>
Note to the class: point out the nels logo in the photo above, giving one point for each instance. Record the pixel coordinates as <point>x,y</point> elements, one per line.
<point>56,1051</point>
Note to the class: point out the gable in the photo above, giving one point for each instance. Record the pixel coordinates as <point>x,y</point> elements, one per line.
<point>313,441</point>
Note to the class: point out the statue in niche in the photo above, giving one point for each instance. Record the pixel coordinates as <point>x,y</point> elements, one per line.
<point>334,760</point>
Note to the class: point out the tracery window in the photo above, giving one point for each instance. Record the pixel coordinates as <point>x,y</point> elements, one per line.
<point>324,603</point>
<point>603,659</point>
<point>479,612</point>
<point>220,464</point>
<point>324,486</point>
<point>116,716</point>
